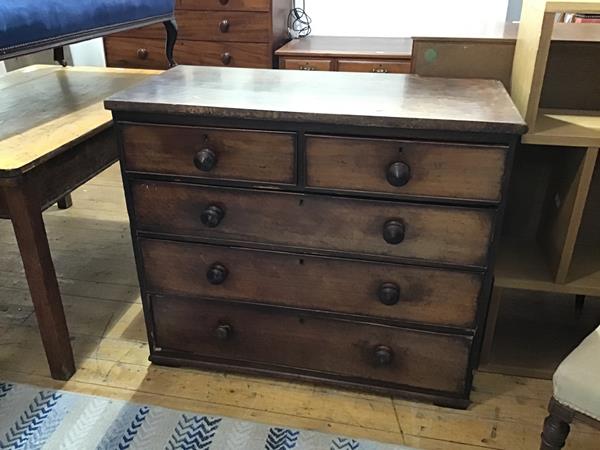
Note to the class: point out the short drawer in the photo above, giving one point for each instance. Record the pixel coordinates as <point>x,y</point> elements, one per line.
<point>376,228</point>
<point>224,5</point>
<point>407,168</point>
<point>293,341</point>
<point>306,64</point>
<point>150,53</point>
<point>375,66</point>
<point>387,291</point>
<point>212,26</point>
<point>210,153</point>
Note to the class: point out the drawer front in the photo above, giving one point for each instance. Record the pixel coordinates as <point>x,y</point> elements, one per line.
<point>210,153</point>
<point>292,341</point>
<point>376,228</point>
<point>406,168</point>
<point>388,291</point>
<point>224,5</point>
<point>306,64</point>
<point>375,66</point>
<point>212,26</point>
<point>150,53</point>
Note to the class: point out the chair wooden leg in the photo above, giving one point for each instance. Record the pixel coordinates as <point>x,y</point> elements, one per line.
<point>171,27</point>
<point>556,426</point>
<point>26,215</point>
<point>65,203</point>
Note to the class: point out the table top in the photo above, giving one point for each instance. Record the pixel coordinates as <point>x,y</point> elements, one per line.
<point>48,109</point>
<point>356,47</point>
<point>336,98</point>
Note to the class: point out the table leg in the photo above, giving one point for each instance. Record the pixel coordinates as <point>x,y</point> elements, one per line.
<point>65,202</point>
<point>26,216</point>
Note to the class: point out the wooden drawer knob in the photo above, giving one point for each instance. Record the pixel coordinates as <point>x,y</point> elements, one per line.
<point>398,174</point>
<point>389,293</point>
<point>212,216</point>
<point>142,53</point>
<point>393,231</point>
<point>223,2</point>
<point>383,355</point>
<point>217,274</point>
<point>205,159</point>
<point>224,26</point>
<point>226,58</point>
<point>224,332</point>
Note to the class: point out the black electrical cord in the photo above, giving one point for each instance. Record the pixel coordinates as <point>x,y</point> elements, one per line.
<point>299,21</point>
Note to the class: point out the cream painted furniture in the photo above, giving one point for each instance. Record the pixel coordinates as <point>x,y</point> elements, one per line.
<point>576,393</point>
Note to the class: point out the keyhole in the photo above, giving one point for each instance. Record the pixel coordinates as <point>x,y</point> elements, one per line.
<point>301,202</point>
<point>301,262</point>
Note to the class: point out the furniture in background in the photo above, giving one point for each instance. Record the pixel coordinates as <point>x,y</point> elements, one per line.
<point>30,26</point>
<point>233,33</point>
<point>576,393</point>
<point>347,54</point>
<point>46,153</point>
<point>349,245</point>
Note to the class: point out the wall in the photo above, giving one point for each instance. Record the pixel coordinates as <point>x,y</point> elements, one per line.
<point>403,18</point>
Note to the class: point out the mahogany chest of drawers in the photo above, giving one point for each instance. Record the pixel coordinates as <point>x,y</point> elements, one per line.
<point>347,238</point>
<point>227,33</point>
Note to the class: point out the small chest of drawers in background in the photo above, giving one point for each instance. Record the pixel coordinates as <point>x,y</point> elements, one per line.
<point>347,54</point>
<point>350,245</point>
<point>228,33</point>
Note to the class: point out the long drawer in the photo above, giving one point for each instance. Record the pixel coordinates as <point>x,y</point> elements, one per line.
<point>224,5</point>
<point>150,53</point>
<point>374,66</point>
<point>377,228</point>
<point>292,341</point>
<point>211,153</point>
<point>388,291</point>
<point>399,167</point>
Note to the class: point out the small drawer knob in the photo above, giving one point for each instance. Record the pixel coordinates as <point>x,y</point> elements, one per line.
<point>223,332</point>
<point>212,216</point>
<point>223,2</point>
<point>142,53</point>
<point>389,293</point>
<point>224,26</point>
<point>398,174</point>
<point>217,274</point>
<point>393,231</point>
<point>205,159</point>
<point>383,355</point>
<point>226,58</point>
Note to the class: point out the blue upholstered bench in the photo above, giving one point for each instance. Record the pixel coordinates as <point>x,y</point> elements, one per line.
<point>28,26</point>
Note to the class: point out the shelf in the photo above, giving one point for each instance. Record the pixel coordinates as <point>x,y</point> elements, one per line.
<point>565,127</point>
<point>522,265</point>
<point>577,6</point>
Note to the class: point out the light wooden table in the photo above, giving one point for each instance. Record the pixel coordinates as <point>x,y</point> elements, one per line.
<point>54,135</point>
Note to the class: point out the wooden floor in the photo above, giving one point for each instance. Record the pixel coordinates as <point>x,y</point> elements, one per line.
<point>92,252</point>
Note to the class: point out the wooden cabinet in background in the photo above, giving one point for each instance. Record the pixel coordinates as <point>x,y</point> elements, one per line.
<point>230,33</point>
<point>347,54</point>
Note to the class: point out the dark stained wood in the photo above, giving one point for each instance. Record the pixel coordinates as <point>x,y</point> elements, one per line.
<point>429,296</point>
<point>436,169</point>
<point>375,66</point>
<point>306,64</point>
<point>23,203</point>
<point>289,340</point>
<point>345,47</point>
<point>65,202</point>
<point>222,5</point>
<point>241,155</point>
<point>385,100</point>
<point>433,233</point>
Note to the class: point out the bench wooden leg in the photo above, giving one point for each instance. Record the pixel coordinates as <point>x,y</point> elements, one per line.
<point>556,426</point>
<point>26,216</point>
<point>65,203</point>
<point>171,27</point>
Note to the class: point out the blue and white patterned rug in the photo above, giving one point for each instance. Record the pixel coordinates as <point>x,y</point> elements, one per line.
<point>31,418</point>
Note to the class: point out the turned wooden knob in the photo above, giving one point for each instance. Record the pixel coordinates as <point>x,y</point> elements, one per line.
<point>226,58</point>
<point>217,274</point>
<point>212,216</point>
<point>398,174</point>
<point>393,231</point>
<point>205,159</point>
<point>383,355</point>
<point>142,53</point>
<point>389,293</point>
<point>223,332</point>
<point>224,26</point>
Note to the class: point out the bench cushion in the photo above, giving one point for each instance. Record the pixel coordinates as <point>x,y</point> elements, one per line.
<point>577,379</point>
<point>31,23</point>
